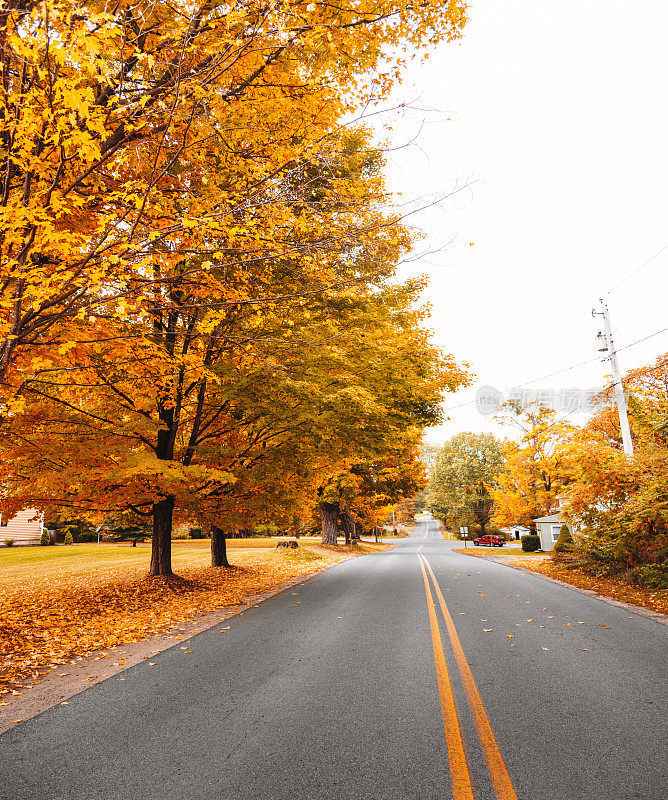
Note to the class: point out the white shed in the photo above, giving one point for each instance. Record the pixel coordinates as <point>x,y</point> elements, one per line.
<point>549,528</point>
<point>516,531</point>
<point>25,528</point>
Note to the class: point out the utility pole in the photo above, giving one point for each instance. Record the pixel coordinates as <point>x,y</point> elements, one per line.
<point>607,345</point>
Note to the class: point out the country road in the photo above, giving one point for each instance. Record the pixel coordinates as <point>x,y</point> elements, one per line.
<point>387,676</point>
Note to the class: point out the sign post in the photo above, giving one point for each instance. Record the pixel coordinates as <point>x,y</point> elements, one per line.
<point>465,534</point>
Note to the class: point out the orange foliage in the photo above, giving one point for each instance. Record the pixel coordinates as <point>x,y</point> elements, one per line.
<point>48,620</point>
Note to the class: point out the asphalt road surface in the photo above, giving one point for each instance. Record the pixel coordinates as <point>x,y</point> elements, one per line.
<point>388,676</point>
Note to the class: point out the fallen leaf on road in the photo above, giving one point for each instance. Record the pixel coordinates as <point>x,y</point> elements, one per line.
<point>510,635</point>
<point>569,624</point>
<point>339,617</point>
<point>580,623</point>
<point>65,703</point>
<point>461,613</point>
<point>530,620</point>
<point>543,626</point>
<point>600,625</point>
<point>151,663</point>
<point>488,630</point>
<point>483,620</point>
<point>584,649</point>
<point>16,721</point>
<point>551,617</point>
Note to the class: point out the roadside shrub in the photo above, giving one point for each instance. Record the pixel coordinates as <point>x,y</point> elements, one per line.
<point>565,542</point>
<point>9,542</point>
<point>68,538</point>
<point>650,576</point>
<point>45,539</point>
<point>530,543</point>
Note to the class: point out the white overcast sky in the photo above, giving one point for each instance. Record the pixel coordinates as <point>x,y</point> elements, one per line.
<point>556,114</point>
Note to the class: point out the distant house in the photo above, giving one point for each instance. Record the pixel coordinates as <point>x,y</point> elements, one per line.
<point>516,531</point>
<point>25,528</point>
<point>549,528</point>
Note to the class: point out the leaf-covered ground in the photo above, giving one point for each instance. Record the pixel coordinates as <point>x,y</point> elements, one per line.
<point>616,588</point>
<point>613,587</point>
<point>57,603</point>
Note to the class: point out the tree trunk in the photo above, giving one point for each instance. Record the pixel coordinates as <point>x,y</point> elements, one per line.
<point>329,513</point>
<point>218,547</point>
<point>161,543</point>
<point>348,525</point>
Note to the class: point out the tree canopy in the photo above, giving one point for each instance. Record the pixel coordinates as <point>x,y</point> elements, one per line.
<point>198,312</point>
<point>462,474</point>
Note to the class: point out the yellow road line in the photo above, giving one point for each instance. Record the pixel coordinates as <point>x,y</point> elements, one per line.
<point>461,780</point>
<point>503,786</point>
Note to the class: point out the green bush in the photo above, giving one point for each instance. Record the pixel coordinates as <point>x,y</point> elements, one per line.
<point>45,539</point>
<point>69,538</point>
<point>196,533</point>
<point>565,542</point>
<point>9,542</point>
<point>650,576</point>
<point>530,543</point>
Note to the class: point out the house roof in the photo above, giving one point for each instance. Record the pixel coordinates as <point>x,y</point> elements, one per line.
<point>550,518</point>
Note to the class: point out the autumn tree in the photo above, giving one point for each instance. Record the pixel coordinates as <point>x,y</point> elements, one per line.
<point>619,505</point>
<point>184,224</point>
<point>116,118</point>
<point>536,466</point>
<point>462,476</point>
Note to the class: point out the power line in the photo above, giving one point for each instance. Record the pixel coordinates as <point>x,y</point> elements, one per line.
<point>561,371</point>
<point>644,339</point>
<point>637,270</point>
<point>610,291</point>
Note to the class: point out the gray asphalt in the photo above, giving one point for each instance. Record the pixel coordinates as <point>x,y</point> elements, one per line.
<point>328,691</point>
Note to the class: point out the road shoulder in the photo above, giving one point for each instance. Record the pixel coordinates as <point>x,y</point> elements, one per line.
<point>66,680</point>
<point>507,561</point>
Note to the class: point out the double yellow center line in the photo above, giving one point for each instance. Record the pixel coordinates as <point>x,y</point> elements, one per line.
<point>462,787</point>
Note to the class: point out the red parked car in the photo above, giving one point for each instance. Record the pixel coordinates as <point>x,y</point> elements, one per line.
<point>490,541</point>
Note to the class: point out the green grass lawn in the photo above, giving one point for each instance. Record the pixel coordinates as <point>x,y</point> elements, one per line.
<point>40,564</point>
<point>79,559</point>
